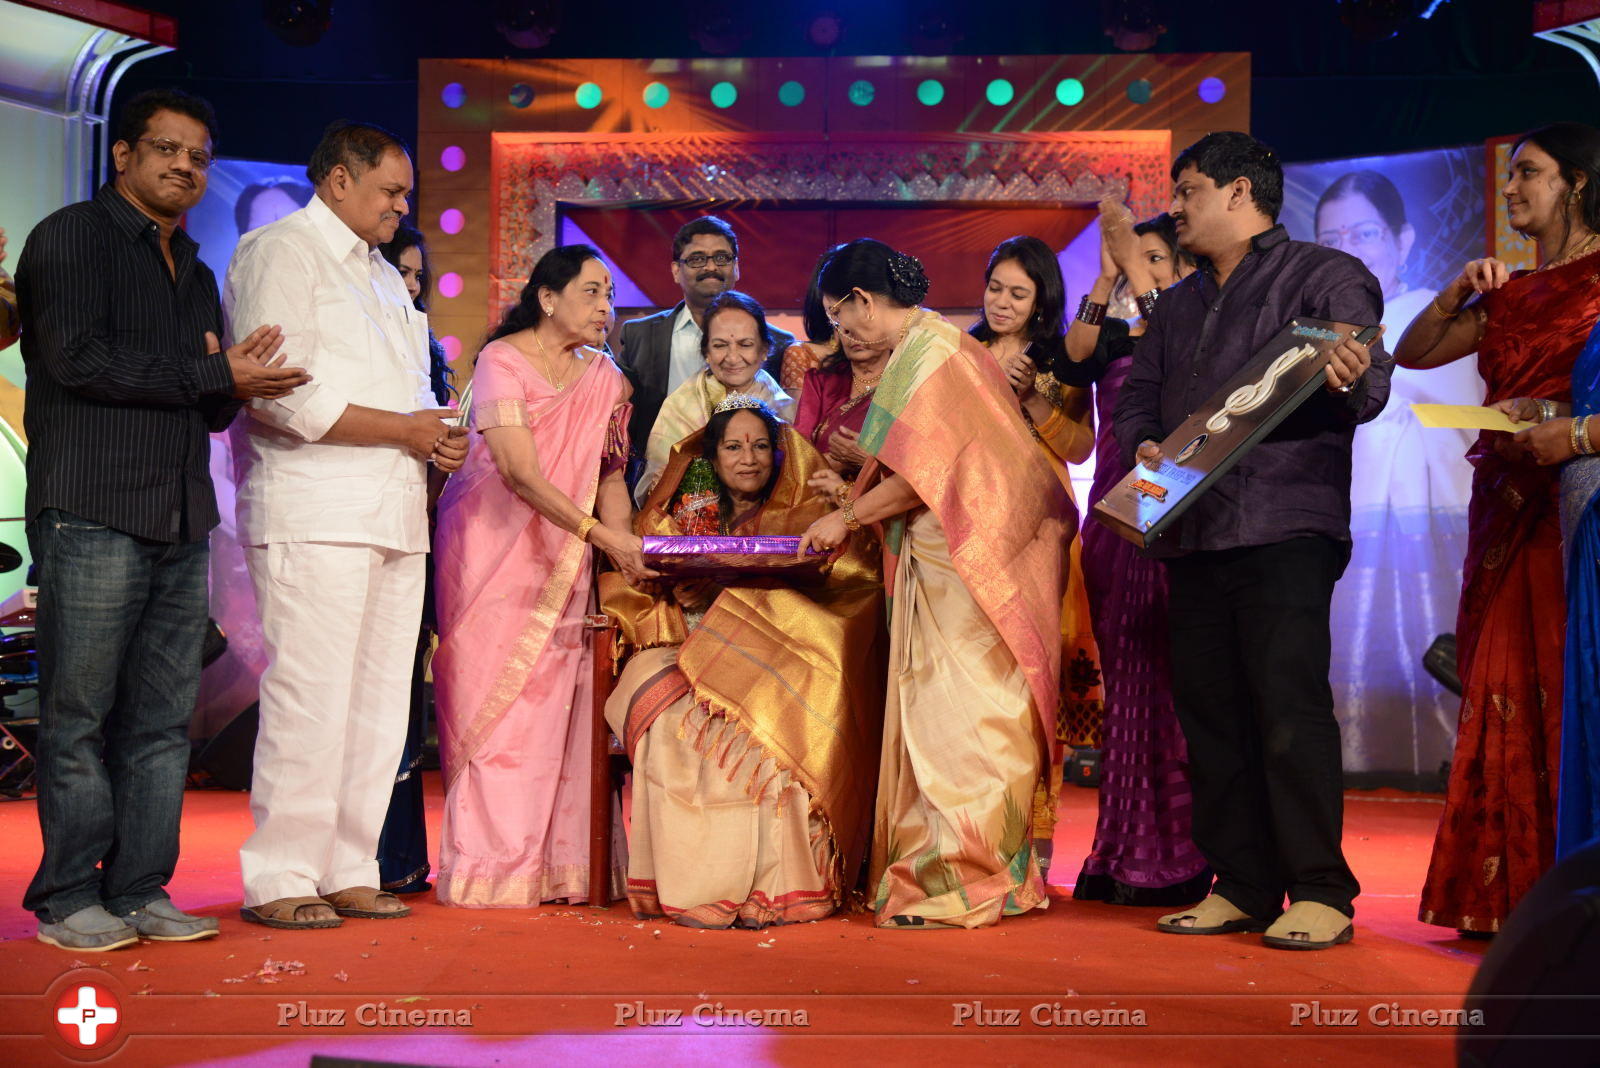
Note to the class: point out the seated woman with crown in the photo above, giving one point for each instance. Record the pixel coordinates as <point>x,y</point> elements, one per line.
<point>752,708</point>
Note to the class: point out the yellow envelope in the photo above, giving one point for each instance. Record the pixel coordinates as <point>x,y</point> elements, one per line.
<point>1465,417</point>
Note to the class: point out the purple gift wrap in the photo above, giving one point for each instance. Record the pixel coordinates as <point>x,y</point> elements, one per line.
<point>731,559</point>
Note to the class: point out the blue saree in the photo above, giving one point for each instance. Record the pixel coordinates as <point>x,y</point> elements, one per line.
<point>1578,809</point>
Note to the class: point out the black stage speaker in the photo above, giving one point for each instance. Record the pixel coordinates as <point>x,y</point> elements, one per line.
<point>1538,988</point>
<point>1440,662</point>
<point>227,757</point>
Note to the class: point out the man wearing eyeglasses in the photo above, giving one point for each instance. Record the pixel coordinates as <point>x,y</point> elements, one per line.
<point>126,378</point>
<point>662,351</point>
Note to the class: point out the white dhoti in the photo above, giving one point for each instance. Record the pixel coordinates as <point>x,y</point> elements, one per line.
<point>339,624</point>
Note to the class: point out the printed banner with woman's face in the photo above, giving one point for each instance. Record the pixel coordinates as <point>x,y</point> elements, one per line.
<point>241,195</point>
<point>1413,219</point>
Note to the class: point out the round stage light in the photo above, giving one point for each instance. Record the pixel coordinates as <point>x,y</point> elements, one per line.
<point>1140,91</point>
<point>521,95</point>
<point>1000,92</point>
<point>724,95</point>
<point>1212,89</point>
<point>588,96</point>
<point>791,94</point>
<point>450,284</point>
<point>1069,92</point>
<point>930,92</point>
<point>453,158</point>
<point>452,347</point>
<point>861,92</point>
<point>451,221</point>
<point>656,95</point>
<point>453,95</point>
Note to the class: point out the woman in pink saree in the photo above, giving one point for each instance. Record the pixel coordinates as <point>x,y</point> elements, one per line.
<point>512,674</point>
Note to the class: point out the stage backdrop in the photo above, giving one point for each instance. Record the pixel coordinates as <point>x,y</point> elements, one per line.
<point>1414,220</point>
<point>779,243</point>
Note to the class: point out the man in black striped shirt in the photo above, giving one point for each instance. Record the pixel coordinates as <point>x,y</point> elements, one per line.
<point>125,378</point>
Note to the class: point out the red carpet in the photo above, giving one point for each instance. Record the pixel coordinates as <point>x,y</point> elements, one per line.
<point>573,983</point>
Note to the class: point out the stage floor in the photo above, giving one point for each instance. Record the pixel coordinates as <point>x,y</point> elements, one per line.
<point>515,987</point>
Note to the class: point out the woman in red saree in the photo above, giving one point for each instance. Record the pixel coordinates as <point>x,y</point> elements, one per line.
<point>1497,834</point>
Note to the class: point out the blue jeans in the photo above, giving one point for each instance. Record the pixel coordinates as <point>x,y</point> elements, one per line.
<point>120,625</point>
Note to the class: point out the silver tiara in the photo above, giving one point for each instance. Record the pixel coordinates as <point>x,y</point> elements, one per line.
<point>734,401</point>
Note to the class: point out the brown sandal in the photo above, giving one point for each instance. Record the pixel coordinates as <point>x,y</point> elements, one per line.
<point>282,914</point>
<point>361,902</point>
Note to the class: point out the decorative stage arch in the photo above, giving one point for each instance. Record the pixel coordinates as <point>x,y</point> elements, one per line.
<point>502,144</point>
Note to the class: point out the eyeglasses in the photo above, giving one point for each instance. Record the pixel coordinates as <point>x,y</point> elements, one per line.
<point>167,148</point>
<point>1361,235</point>
<point>832,315</point>
<point>696,260</point>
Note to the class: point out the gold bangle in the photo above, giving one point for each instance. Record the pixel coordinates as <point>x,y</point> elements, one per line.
<point>1439,308</point>
<point>848,509</point>
<point>841,492</point>
<point>588,524</point>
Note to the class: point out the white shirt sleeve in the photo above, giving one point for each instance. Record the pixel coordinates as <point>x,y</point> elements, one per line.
<point>271,282</point>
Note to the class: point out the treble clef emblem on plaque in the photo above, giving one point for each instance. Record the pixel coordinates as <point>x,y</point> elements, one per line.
<point>1250,397</point>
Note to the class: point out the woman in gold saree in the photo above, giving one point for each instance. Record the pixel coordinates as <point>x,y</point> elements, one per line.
<point>751,711</point>
<point>973,563</point>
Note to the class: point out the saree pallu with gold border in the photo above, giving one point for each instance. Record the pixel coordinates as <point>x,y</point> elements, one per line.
<point>754,733</point>
<point>1067,438</point>
<point>512,674</point>
<point>1497,834</point>
<point>975,579</point>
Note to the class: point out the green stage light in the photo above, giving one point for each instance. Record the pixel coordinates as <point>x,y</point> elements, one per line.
<point>861,93</point>
<point>724,94</point>
<point>656,95</point>
<point>930,92</point>
<point>1140,91</point>
<point>588,95</point>
<point>1000,92</point>
<point>790,94</point>
<point>1069,92</point>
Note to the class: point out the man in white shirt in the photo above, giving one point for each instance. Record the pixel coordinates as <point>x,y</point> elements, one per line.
<point>332,511</point>
<point>661,352</point>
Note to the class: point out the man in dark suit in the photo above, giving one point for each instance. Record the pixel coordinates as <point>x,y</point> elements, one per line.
<point>662,351</point>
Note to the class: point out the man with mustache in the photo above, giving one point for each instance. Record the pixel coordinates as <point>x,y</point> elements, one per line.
<point>120,322</point>
<point>1251,567</point>
<point>662,351</point>
<point>333,517</point>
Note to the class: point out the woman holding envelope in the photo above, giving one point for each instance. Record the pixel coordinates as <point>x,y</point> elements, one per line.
<point>751,711</point>
<point>974,564</point>
<point>1498,832</point>
<point>542,484</point>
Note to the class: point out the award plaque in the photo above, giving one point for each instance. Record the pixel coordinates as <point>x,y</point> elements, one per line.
<point>732,559</point>
<point>1287,370</point>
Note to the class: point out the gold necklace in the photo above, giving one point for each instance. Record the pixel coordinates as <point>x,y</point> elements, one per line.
<point>1576,253</point>
<point>863,385</point>
<point>549,367</point>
